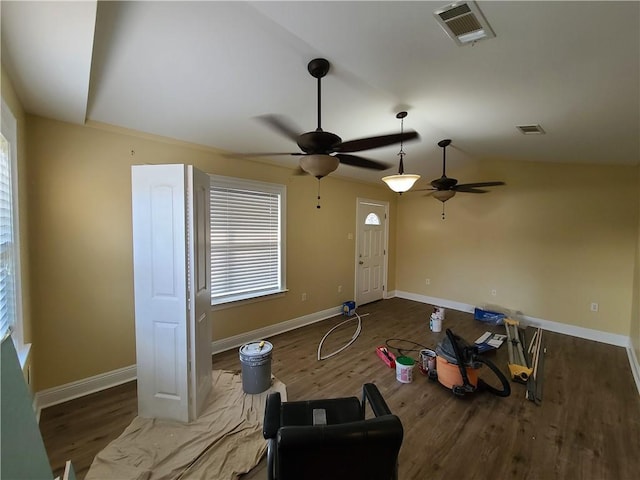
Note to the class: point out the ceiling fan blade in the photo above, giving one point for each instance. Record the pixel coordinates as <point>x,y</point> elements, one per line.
<point>479,184</point>
<point>281,125</point>
<point>261,154</point>
<point>361,162</point>
<point>376,142</point>
<point>468,189</point>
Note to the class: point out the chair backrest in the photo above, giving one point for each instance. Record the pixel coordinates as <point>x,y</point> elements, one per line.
<point>366,449</point>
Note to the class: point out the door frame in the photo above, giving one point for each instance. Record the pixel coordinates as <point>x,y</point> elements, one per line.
<point>385,263</point>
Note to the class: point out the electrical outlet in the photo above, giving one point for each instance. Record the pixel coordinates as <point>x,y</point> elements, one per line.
<point>339,288</point>
<point>304,297</point>
<point>594,307</point>
<point>494,292</point>
<point>427,281</point>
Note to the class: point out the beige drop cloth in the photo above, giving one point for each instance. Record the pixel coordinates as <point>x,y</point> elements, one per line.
<point>225,441</point>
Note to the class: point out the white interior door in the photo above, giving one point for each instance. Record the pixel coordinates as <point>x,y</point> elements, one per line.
<point>371,237</point>
<point>199,289</point>
<point>171,259</point>
<point>160,283</point>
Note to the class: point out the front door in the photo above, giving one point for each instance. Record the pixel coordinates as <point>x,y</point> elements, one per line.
<point>371,250</point>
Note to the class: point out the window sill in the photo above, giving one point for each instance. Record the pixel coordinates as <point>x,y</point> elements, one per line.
<point>246,301</point>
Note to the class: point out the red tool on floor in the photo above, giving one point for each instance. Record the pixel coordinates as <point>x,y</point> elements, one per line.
<point>386,356</point>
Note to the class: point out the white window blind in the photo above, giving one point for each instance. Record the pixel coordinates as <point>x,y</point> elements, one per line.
<point>7,251</point>
<point>247,219</point>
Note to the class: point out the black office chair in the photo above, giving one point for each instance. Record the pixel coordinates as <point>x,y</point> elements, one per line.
<point>331,439</point>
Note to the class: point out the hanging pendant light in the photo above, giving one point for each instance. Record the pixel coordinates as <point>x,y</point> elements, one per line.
<point>401,182</point>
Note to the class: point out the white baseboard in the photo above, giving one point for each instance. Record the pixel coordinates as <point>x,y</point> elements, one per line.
<point>225,344</point>
<point>80,388</point>
<point>572,330</point>
<point>635,366</point>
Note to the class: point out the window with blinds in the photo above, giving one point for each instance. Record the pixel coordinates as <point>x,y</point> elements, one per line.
<point>247,239</point>
<point>8,246</point>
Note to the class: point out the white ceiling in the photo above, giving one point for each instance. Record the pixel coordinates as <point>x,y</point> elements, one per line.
<point>201,72</point>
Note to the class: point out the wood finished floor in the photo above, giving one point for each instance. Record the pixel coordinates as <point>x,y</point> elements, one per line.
<point>588,426</point>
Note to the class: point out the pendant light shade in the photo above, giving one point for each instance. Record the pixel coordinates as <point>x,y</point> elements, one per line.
<point>401,182</point>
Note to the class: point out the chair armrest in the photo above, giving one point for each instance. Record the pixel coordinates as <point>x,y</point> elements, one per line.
<point>271,422</point>
<point>371,394</point>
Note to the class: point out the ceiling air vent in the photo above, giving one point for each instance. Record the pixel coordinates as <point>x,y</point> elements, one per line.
<point>531,129</point>
<point>464,22</point>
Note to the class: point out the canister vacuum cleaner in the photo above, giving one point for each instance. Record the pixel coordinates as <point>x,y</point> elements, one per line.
<point>457,364</point>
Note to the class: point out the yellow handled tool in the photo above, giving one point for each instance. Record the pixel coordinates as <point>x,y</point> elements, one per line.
<point>518,368</point>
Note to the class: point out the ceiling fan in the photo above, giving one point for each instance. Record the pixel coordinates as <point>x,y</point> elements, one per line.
<point>323,151</point>
<point>445,187</point>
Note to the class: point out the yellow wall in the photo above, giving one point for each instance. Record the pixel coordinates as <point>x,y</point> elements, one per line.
<point>12,101</point>
<point>80,200</point>
<point>552,241</point>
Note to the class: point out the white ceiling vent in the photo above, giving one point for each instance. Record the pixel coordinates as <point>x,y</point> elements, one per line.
<point>464,22</point>
<point>531,129</point>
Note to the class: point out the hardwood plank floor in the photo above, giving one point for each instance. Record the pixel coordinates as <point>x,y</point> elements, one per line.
<point>587,427</point>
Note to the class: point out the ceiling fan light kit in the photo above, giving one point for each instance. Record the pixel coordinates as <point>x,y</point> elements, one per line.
<point>401,182</point>
<point>319,165</point>
<point>443,195</point>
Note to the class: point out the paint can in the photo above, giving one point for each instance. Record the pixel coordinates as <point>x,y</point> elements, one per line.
<point>435,323</point>
<point>404,369</point>
<point>427,361</point>
<point>255,359</point>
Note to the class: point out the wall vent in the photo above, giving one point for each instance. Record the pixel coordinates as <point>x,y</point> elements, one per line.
<point>531,129</point>
<point>464,22</point>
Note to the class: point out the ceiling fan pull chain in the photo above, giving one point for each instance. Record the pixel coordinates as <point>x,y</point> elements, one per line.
<point>318,206</point>
<point>442,210</point>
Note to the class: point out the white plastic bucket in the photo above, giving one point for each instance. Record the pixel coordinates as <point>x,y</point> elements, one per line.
<point>435,324</point>
<point>255,359</point>
<point>404,369</point>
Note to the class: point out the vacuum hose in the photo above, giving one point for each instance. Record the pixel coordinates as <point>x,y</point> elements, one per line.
<point>506,387</point>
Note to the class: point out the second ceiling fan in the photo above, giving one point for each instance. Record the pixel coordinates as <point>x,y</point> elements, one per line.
<point>445,187</point>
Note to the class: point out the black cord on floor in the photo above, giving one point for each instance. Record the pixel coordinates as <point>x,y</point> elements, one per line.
<point>400,349</point>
